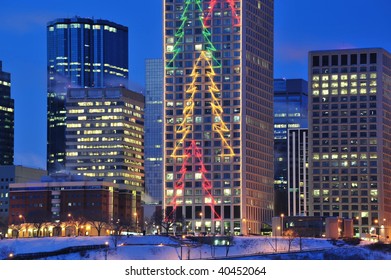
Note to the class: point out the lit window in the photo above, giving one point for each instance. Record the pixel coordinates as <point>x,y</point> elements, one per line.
<point>169,193</point>
<point>170,48</point>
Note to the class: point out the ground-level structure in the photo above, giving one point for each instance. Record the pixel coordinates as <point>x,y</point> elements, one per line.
<point>312,226</point>
<point>64,204</point>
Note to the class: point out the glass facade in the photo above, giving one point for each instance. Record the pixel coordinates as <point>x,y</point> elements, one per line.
<point>349,137</point>
<point>154,131</point>
<point>6,119</point>
<point>81,53</point>
<point>290,112</point>
<point>218,118</point>
<point>297,148</point>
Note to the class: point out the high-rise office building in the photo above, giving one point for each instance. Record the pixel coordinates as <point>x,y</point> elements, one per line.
<point>105,138</point>
<point>6,119</point>
<point>297,147</point>
<point>349,136</point>
<point>153,150</point>
<point>290,111</point>
<point>81,53</point>
<point>218,101</point>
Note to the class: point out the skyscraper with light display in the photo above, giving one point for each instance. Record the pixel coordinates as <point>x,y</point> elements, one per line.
<point>218,100</point>
<point>82,52</point>
<point>6,119</point>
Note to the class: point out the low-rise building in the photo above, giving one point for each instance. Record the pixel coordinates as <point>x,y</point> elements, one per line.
<point>64,204</point>
<point>10,174</point>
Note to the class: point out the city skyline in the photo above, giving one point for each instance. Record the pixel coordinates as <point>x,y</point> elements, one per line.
<point>299,28</point>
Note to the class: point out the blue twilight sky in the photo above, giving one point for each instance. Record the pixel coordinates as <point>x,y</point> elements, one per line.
<point>300,26</point>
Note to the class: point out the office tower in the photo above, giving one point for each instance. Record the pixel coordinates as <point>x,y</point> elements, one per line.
<point>105,138</point>
<point>13,174</point>
<point>81,53</point>
<point>349,136</point>
<point>153,131</point>
<point>297,147</point>
<point>6,119</point>
<point>218,100</point>
<point>290,111</point>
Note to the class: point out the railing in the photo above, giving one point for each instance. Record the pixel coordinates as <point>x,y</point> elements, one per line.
<point>68,250</point>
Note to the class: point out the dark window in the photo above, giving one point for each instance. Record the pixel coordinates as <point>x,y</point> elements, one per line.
<point>198,211</point>
<point>189,212</point>
<point>325,60</point>
<point>227,212</point>
<point>353,59</point>
<point>315,60</point>
<point>344,59</point>
<point>373,58</point>
<point>217,212</point>
<point>208,212</point>
<point>179,213</point>
<point>236,212</point>
<point>334,60</point>
<point>363,58</point>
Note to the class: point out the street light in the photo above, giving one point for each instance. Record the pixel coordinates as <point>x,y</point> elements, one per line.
<point>384,230</point>
<point>22,217</point>
<point>243,225</point>
<point>136,217</point>
<point>376,221</point>
<point>380,227</point>
<point>282,224</point>
<point>106,249</point>
<point>24,223</point>
<point>72,225</point>
<point>201,222</point>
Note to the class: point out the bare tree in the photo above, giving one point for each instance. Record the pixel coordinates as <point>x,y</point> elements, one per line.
<point>162,222</point>
<point>38,219</point>
<point>97,220</point>
<point>116,228</point>
<point>3,226</point>
<point>98,225</point>
<point>291,235</point>
<point>57,231</point>
<point>15,229</point>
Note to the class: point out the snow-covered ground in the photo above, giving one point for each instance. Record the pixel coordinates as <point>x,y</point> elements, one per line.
<point>166,248</point>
